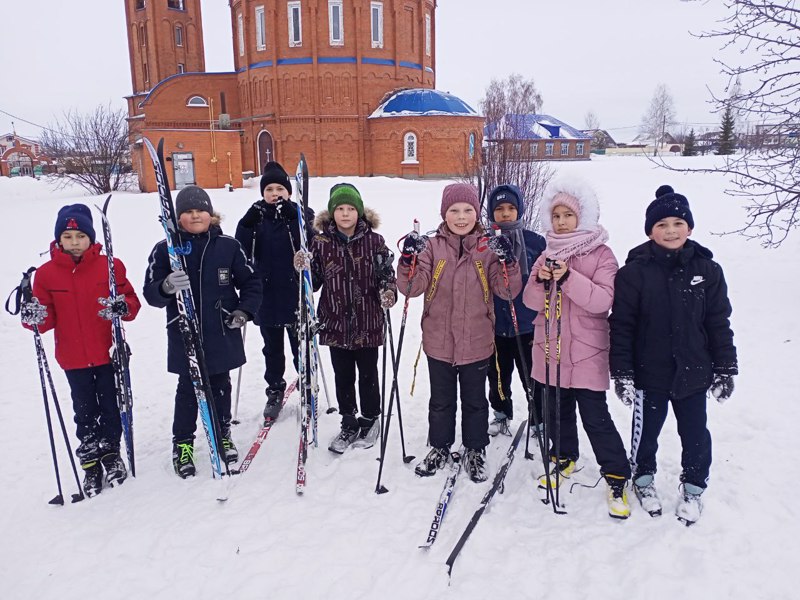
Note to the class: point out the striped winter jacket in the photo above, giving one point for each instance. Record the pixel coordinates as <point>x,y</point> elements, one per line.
<point>349,310</point>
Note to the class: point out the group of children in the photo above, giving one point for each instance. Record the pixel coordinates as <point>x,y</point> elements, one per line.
<point>486,295</point>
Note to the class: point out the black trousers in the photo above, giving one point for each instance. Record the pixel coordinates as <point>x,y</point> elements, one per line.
<point>345,363</point>
<point>94,401</point>
<point>649,414</point>
<point>501,369</point>
<point>274,356</point>
<point>603,435</point>
<point>445,382</point>
<point>184,421</point>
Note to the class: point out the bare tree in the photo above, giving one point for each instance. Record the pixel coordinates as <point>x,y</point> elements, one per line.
<point>763,38</point>
<point>592,120</point>
<point>659,116</point>
<point>92,148</point>
<point>508,158</point>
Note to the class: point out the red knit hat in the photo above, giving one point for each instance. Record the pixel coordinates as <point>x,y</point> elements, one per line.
<point>459,192</point>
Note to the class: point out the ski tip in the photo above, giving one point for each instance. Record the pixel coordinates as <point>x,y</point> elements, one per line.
<point>57,501</point>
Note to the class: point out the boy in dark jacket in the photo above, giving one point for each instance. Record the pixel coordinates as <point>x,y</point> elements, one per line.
<point>351,307</point>
<point>270,235</point>
<point>216,267</point>
<point>66,291</point>
<point>506,206</point>
<point>671,342</point>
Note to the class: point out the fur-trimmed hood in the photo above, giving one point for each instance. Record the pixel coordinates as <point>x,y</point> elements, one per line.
<point>371,218</point>
<point>589,206</point>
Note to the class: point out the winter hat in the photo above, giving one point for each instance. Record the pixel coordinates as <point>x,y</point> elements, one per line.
<point>193,198</point>
<point>75,217</point>
<point>459,192</point>
<point>505,193</point>
<point>344,193</point>
<point>575,194</point>
<point>274,173</point>
<point>667,204</point>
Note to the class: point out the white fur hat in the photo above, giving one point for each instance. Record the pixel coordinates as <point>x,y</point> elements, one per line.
<point>577,195</point>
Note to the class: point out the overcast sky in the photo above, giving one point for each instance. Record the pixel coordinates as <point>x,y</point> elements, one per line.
<point>601,55</point>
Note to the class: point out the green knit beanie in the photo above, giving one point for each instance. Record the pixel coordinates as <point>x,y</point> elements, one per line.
<point>344,193</point>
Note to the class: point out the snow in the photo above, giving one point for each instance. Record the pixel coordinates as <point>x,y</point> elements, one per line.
<point>161,537</point>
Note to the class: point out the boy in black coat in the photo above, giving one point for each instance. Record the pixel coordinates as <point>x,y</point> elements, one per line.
<point>270,234</point>
<point>671,342</point>
<point>216,267</point>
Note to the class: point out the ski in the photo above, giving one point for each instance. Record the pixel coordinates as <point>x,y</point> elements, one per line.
<point>188,319</point>
<point>444,498</point>
<point>121,352</point>
<point>263,433</point>
<point>497,486</point>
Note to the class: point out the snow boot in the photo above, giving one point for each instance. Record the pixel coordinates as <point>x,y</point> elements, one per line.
<point>370,429</point>
<point>499,425</point>
<point>566,468</point>
<point>274,403</point>
<point>229,448</point>
<point>342,441</point>
<point>476,464</point>
<point>435,460</point>
<point>116,472</point>
<point>92,478</point>
<point>690,505</point>
<point>645,489</point>
<point>183,458</point>
<point>618,507</point>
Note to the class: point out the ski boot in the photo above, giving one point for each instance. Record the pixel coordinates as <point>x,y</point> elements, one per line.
<point>92,478</point>
<point>565,467</point>
<point>690,505</point>
<point>618,507</point>
<point>116,472</point>
<point>499,425</point>
<point>274,400</point>
<point>229,449</point>
<point>183,458</point>
<point>475,464</point>
<point>645,489</point>
<point>342,441</point>
<point>435,460</point>
<point>368,434</point>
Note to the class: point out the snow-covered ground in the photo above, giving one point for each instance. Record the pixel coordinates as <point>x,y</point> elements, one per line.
<point>158,536</point>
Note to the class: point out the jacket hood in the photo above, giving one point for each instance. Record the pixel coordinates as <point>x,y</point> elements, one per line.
<point>645,252</point>
<point>324,218</point>
<point>587,203</point>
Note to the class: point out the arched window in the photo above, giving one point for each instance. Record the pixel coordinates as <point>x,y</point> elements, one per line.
<point>472,145</point>
<point>410,148</point>
<point>197,101</point>
<point>178,35</point>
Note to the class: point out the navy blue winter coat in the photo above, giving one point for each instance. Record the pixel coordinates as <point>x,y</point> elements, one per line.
<point>503,324</point>
<point>274,252</point>
<point>224,269</point>
<point>670,323</point>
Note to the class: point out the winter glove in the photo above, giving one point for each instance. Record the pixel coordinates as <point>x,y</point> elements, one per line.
<point>175,282</point>
<point>625,390</point>
<point>387,299</point>
<point>32,312</point>
<point>722,387</point>
<point>413,244</point>
<point>254,215</point>
<point>236,319</point>
<point>302,261</point>
<point>114,307</point>
<point>503,248</point>
<point>286,210</point>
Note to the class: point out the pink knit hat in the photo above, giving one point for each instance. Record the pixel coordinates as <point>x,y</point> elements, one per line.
<point>460,192</point>
<point>568,200</point>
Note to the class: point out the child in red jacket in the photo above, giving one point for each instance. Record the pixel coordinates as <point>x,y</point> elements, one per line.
<point>67,290</point>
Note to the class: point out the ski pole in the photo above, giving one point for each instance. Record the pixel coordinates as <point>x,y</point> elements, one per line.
<point>396,389</point>
<point>558,388</point>
<point>235,419</point>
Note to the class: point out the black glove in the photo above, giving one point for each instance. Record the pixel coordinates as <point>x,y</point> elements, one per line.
<point>254,214</point>
<point>113,307</point>
<point>625,390</point>
<point>721,387</point>
<point>503,248</point>
<point>32,312</point>
<point>236,319</point>
<point>286,210</point>
<point>175,282</point>
<point>413,244</point>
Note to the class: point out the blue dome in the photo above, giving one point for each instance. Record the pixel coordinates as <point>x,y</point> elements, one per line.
<point>423,102</point>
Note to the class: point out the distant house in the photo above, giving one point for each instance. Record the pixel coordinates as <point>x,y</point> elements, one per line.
<point>538,137</point>
<point>766,135</point>
<point>21,156</point>
<point>601,139</point>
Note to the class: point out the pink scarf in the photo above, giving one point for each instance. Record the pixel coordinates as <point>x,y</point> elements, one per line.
<point>562,246</point>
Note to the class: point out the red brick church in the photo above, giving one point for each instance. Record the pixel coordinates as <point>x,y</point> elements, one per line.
<point>350,83</point>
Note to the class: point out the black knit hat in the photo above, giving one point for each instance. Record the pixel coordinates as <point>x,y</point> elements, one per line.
<point>193,198</point>
<point>505,193</point>
<point>275,173</point>
<point>667,204</point>
<point>76,217</point>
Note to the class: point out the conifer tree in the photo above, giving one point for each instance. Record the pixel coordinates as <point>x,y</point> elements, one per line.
<point>690,144</point>
<point>727,137</point>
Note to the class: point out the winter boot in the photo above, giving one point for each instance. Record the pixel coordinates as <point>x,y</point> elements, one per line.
<point>229,448</point>
<point>645,489</point>
<point>618,507</point>
<point>476,464</point>
<point>92,478</point>
<point>116,472</point>
<point>368,434</point>
<point>341,442</point>
<point>183,458</point>
<point>274,403</point>
<point>690,505</point>
<point>565,466</point>
<point>435,460</point>
<point>499,425</point>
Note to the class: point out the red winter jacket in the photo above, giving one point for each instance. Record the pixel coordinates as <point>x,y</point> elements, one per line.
<point>70,291</point>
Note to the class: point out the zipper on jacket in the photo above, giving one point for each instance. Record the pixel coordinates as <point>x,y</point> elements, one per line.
<point>200,285</point>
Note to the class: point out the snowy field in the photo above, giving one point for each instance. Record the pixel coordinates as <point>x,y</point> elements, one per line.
<point>158,536</point>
